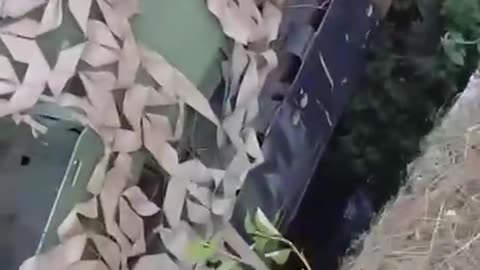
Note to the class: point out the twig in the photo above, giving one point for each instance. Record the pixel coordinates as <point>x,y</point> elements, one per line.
<point>467,42</point>
<point>434,235</point>
<point>402,254</point>
<point>290,245</point>
<point>427,204</point>
<point>463,42</point>
<point>232,257</point>
<point>460,250</point>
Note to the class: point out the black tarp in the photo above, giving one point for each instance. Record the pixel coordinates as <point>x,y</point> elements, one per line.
<point>322,56</point>
<point>330,70</point>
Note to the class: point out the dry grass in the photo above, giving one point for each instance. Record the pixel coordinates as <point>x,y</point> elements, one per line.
<point>434,224</point>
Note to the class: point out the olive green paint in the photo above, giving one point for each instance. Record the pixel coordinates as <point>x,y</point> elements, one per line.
<point>185,33</point>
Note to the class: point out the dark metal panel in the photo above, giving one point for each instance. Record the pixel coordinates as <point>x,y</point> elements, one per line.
<point>299,131</point>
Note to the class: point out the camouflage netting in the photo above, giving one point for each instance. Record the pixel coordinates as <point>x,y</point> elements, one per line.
<point>124,92</point>
<point>434,224</point>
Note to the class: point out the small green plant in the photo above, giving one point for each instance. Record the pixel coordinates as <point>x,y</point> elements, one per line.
<point>262,232</point>
<point>211,254</point>
<point>201,251</point>
<point>463,34</point>
<point>268,243</point>
<point>454,47</point>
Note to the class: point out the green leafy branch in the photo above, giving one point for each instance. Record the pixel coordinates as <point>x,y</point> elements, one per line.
<point>462,20</point>
<point>267,242</point>
<point>281,256</point>
<point>267,239</point>
<point>201,251</point>
<point>455,45</point>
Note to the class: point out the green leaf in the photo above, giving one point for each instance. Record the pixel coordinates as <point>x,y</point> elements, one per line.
<point>455,53</point>
<point>248,224</point>
<point>280,256</point>
<point>264,225</point>
<point>260,244</point>
<point>201,251</point>
<point>455,56</point>
<point>456,36</point>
